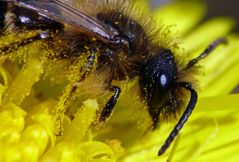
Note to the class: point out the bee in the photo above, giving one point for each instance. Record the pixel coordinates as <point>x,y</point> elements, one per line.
<point>118,42</point>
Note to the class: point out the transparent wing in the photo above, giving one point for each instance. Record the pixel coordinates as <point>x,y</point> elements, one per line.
<point>63,13</point>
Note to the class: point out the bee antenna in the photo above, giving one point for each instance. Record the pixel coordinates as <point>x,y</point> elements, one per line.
<point>184,117</point>
<point>207,51</point>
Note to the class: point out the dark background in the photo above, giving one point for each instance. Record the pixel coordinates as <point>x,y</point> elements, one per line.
<point>224,8</point>
<point>215,8</point>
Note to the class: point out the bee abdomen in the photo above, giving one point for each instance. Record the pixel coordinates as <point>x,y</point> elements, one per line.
<point>28,19</point>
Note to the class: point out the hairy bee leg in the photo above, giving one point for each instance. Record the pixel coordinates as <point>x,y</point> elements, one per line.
<point>68,95</point>
<point>183,119</point>
<point>16,45</point>
<point>110,104</point>
<point>207,51</point>
<point>84,72</point>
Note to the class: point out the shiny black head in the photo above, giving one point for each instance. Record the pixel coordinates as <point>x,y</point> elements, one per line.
<point>157,79</point>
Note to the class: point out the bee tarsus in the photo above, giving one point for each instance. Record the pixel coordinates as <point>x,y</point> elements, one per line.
<point>207,51</point>
<point>111,103</point>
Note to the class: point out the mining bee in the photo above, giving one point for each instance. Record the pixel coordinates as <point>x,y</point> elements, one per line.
<point>119,42</point>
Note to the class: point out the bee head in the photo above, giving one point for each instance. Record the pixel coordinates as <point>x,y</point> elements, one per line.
<point>157,78</point>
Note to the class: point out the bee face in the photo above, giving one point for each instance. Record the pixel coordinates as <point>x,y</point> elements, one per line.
<point>109,40</point>
<point>157,79</point>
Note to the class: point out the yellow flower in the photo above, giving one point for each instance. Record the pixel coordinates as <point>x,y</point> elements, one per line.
<point>29,104</point>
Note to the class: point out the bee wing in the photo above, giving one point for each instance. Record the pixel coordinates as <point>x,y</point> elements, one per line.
<point>63,13</point>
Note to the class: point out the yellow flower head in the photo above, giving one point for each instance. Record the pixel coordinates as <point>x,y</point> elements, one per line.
<point>36,124</point>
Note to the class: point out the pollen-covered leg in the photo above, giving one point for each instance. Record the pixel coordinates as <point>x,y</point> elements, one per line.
<point>11,47</point>
<point>110,104</point>
<point>68,95</point>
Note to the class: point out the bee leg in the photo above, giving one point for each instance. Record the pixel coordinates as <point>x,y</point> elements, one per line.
<point>183,119</point>
<point>16,45</point>
<point>110,104</point>
<point>68,95</point>
<point>207,51</point>
<point>89,65</point>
